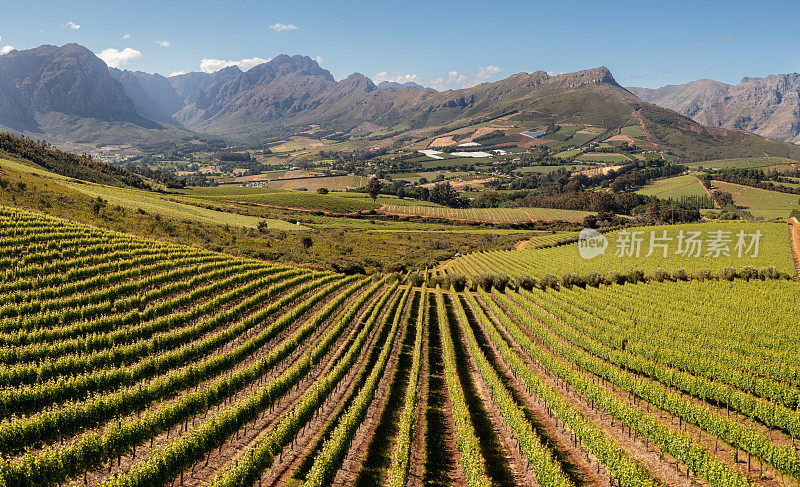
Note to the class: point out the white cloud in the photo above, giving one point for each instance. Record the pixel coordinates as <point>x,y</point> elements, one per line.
<point>279,27</point>
<point>6,49</point>
<point>176,73</point>
<point>466,79</point>
<point>162,43</point>
<point>318,59</point>
<point>212,65</point>
<point>726,37</point>
<point>114,58</point>
<point>126,36</point>
<point>73,25</point>
<point>396,77</point>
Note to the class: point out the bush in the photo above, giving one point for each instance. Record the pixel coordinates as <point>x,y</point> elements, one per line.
<point>416,279</point>
<point>458,282</point>
<point>549,281</point>
<point>660,275</point>
<point>681,275</point>
<point>484,281</point>
<point>594,279</point>
<point>748,273</point>
<point>769,273</point>
<point>322,190</point>
<point>526,282</point>
<point>727,273</point>
<point>616,278</point>
<point>500,282</point>
<point>702,274</point>
<point>568,280</point>
<point>635,276</point>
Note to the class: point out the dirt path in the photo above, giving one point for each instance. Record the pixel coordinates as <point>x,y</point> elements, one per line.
<point>708,192</point>
<point>794,230</point>
<point>521,245</point>
<point>416,464</point>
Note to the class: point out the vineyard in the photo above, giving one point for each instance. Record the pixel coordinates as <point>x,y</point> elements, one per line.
<point>133,362</point>
<point>495,215</point>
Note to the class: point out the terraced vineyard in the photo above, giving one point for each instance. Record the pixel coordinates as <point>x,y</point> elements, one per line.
<point>130,362</point>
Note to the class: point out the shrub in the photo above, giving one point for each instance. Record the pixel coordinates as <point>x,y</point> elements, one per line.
<point>594,279</point>
<point>727,273</point>
<point>768,273</point>
<point>681,275</point>
<point>702,274</point>
<point>568,280</point>
<point>549,281</point>
<point>748,273</point>
<point>635,276</point>
<point>660,275</point>
<point>526,282</point>
<point>616,278</point>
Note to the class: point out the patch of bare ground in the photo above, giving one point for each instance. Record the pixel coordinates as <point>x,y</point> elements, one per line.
<point>441,462</point>
<point>657,463</point>
<point>297,459</point>
<point>582,467</point>
<point>758,472</point>
<point>144,450</point>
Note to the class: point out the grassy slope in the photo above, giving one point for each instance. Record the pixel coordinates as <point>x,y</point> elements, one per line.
<point>674,187</point>
<point>774,251</point>
<point>760,202</point>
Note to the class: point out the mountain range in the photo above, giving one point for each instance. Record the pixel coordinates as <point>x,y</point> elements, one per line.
<point>69,95</point>
<point>768,106</point>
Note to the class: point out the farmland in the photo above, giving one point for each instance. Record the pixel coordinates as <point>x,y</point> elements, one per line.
<point>496,215</point>
<point>132,362</point>
<point>760,202</point>
<point>675,187</point>
<point>774,251</point>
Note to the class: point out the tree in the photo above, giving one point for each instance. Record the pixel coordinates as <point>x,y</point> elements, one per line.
<point>322,190</point>
<point>373,188</point>
<point>444,194</point>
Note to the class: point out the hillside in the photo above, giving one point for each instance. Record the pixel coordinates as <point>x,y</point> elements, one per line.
<point>767,106</point>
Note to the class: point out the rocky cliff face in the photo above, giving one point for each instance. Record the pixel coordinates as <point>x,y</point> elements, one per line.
<point>767,106</point>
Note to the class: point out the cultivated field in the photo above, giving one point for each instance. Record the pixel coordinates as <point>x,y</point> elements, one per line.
<point>495,215</point>
<point>774,250</point>
<point>675,187</point>
<point>129,362</point>
<point>761,203</point>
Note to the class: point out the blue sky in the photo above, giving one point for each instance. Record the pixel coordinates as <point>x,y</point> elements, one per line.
<point>447,44</point>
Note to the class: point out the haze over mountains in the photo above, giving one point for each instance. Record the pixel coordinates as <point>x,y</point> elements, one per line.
<point>767,106</point>
<point>68,94</point>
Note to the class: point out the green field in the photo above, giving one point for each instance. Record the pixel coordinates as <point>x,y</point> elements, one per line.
<point>742,163</point>
<point>773,250</point>
<point>675,187</point>
<point>760,202</point>
<point>495,215</point>
<point>549,169</point>
<point>603,157</point>
<point>568,154</point>
<point>632,131</point>
<point>332,183</point>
